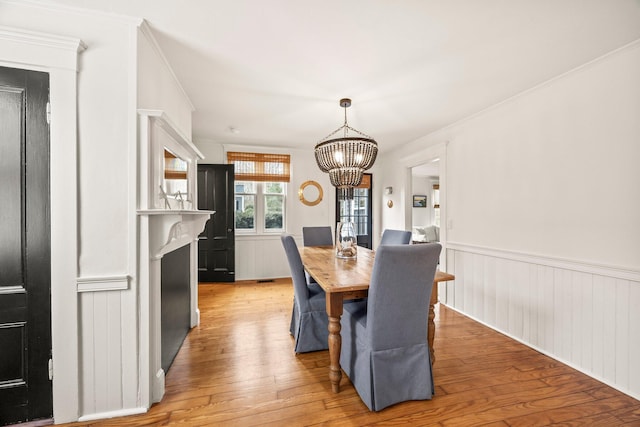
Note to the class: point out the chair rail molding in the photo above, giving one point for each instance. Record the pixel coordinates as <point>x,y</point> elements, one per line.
<point>107,283</point>
<point>618,272</point>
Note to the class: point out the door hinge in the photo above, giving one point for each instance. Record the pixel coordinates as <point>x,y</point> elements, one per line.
<point>50,369</point>
<point>48,113</point>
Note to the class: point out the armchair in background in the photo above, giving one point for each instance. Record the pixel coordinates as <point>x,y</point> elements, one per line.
<point>395,237</point>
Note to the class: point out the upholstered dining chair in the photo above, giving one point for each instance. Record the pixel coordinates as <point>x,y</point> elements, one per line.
<point>309,321</point>
<point>395,237</point>
<point>384,337</point>
<point>316,236</point>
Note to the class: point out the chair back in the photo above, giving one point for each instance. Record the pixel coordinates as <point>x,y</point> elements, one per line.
<point>399,293</point>
<point>300,290</point>
<point>317,236</point>
<point>395,237</point>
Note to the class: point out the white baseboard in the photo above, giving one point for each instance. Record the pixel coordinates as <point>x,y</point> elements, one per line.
<point>113,414</point>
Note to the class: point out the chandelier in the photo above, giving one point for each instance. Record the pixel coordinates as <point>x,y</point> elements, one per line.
<point>347,156</point>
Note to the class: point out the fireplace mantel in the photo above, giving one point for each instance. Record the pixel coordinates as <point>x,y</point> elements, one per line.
<point>172,229</point>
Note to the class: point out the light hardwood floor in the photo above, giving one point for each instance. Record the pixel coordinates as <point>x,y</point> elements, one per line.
<point>238,368</point>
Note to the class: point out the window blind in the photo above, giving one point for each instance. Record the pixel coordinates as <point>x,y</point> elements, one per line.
<point>260,167</point>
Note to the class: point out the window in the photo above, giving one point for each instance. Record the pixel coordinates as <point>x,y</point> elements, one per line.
<point>245,205</point>
<point>260,190</point>
<point>274,206</point>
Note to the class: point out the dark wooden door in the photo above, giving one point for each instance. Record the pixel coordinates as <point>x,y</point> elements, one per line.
<point>216,244</point>
<point>25,247</point>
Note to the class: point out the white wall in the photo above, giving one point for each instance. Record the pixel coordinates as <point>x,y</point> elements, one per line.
<point>158,87</point>
<point>548,180</point>
<point>560,160</point>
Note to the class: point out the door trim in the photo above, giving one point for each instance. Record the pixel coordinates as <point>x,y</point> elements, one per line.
<point>436,151</point>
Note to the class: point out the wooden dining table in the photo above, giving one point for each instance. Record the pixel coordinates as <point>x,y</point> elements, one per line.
<point>345,279</point>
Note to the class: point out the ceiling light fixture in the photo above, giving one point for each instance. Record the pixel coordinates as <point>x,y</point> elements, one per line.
<point>345,158</point>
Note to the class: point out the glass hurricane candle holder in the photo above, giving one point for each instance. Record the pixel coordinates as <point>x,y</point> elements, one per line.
<point>346,240</point>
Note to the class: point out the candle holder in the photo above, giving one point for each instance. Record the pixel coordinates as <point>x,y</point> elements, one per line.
<point>346,240</point>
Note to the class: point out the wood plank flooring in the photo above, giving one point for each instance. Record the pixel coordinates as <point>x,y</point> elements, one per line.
<point>238,368</point>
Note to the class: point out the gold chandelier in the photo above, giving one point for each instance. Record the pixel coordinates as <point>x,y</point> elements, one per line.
<point>346,158</point>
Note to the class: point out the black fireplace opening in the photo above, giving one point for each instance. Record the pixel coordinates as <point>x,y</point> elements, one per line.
<point>175,302</point>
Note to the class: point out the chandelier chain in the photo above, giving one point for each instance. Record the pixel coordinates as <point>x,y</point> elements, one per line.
<point>344,127</point>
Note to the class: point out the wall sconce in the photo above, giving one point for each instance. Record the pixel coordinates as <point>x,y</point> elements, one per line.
<point>388,191</point>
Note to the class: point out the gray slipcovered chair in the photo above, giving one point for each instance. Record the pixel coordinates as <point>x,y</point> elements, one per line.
<point>316,236</point>
<point>395,237</point>
<point>309,321</point>
<point>385,352</point>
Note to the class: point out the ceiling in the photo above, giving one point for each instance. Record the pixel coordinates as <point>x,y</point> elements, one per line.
<point>275,70</point>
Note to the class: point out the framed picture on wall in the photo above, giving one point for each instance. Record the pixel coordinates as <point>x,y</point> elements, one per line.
<point>419,201</point>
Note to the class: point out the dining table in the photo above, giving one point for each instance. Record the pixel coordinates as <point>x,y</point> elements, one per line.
<point>348,278</point>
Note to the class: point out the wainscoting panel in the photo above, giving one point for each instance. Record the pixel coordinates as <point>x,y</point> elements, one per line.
<point>584,315</point>
<point>108,352</point>
<point>261,257</point>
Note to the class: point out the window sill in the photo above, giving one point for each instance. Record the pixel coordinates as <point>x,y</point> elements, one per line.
<point>259,236</point>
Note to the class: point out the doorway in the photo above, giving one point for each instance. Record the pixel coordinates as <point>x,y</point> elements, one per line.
<point>425,181</point>
<point>430,176</point>
<point>25,251</point>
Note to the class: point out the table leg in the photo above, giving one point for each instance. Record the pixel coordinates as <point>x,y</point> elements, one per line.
<point>431,326</point>
<point>334,311</point>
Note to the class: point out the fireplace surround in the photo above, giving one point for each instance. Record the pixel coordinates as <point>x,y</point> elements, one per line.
<point>166,222</point>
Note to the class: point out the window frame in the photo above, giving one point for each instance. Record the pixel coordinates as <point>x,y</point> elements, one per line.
<point>260,209</point>
<point>261,169</point>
